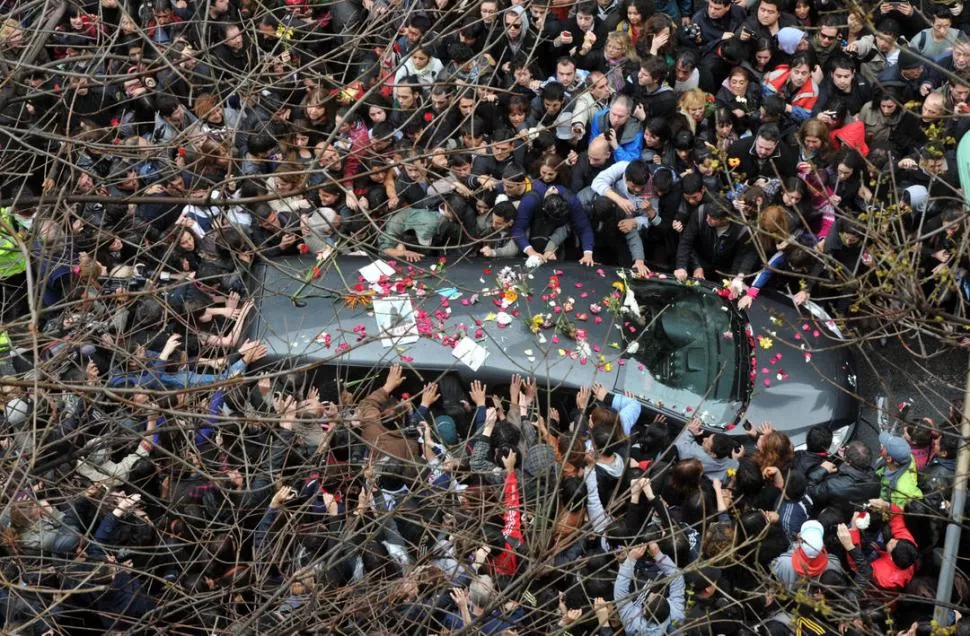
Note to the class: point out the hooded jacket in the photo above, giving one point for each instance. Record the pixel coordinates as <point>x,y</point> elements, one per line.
<point>795,565</point>
<point>629,140</point>
<point>885,573</point>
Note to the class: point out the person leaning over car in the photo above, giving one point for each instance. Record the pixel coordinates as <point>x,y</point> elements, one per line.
<point>847,485</point>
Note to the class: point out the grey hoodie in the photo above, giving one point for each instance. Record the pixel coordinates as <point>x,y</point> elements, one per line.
<point>688,448</point>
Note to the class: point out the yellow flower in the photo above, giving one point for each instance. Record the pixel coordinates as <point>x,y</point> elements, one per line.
<point>536,323</point>
<point>511,295</point>
<point>765,342</point>
<point>733,162</point>
<point>731,472</point>
<point>619,286</point>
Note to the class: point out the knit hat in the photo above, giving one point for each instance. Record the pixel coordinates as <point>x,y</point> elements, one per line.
<point>539,460</point>
<point>16,411</point>
<point>812,538</point>
<point>788,39</point>
<point>447,431</point>
<point>700,580</point>
<point>908,59</point>
<point>896,447</point>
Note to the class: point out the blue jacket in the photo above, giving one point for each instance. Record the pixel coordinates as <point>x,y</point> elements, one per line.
<point>631,137</point>
<point>532,203</point>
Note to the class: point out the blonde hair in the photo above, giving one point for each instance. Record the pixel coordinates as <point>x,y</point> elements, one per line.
<point>9,27</point>
<point>623,39</point>
<point>692,98</point>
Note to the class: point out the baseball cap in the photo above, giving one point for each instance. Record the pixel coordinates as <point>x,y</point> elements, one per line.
<point>895,446</point>
<point>812,535</point>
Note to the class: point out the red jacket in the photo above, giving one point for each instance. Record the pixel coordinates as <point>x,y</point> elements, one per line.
<point>806,96</point>
<point>885,574</point>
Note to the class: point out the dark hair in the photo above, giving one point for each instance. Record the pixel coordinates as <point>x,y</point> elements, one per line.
<point>841,61</point>
<point>775,3</point>
<point>663,181</point>
<point>799,59</point>
<point>655,66</point>
<point>636,172</point>
<point>748,479</point>
<point>513,172</point>
<point>819,438</point>
<point>607,439</point>
<point>692,183</point>
<point>769,132</point>
<point>858,455</point>
<point>905,554</point>
<point>586,8</point>
<point>722,445</point>
<point>554,91</point>
<point>889,27</point>
<point>687,58</point>
<point>796,485</point>
<point>555,207</point>
<point>658,127</point>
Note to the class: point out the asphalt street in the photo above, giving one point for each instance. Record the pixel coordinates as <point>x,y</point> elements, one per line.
<point>894,372</point>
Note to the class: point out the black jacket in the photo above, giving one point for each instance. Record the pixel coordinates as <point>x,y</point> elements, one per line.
<point>700,246</point>
<point>842,489</point>
<point>780,164</point>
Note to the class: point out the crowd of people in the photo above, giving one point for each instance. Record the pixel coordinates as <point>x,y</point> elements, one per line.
<point>157,478</point>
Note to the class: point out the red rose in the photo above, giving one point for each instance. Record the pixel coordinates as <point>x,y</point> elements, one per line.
<point>315,273</point>
<point>304,248</point>
<point>115,122</point>
<point>181,152</point>
<point>428,117</point>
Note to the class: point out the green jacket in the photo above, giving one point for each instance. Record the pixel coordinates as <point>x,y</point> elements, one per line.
<point>12,261</point>
<point>424,224</point>
<point>907,487</point>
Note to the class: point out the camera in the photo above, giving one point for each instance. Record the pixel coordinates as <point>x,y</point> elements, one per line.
<point>692,32</point>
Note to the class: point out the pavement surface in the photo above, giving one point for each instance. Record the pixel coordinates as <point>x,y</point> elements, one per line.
<point>899,373</point>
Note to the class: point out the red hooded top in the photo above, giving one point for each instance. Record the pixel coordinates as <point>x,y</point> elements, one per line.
<point>885,573</point>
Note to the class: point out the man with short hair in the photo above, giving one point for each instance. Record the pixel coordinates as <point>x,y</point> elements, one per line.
<point>652,96</point>
<point>826,42</point>
<point>712,246</point>
<point>768,20</point>
<point>716,451</point>
<point>586,166</point>
<point>842,83</point>
<point>763,155</point>
<point>845,485</point>
<point>587,103</point>
<point>624,208</point>
<point>876,52</point>
<point>621,130</point>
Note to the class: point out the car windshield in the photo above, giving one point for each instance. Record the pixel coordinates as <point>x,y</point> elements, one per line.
<point>686,352</point>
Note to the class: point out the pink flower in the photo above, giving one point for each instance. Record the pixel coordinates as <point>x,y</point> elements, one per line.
<point>479,333</point>
<point>582,360</point>
<point>816,333</point>
<point>596,348</point>
<point>767,382</point>
<point>578,285</point>
<point>764,370</point>
<point>597,320</point>
<point>584,295</point>
<point>805,327</point>
<point>555,340</point>
<point>798,336</point>
<point>601,273</point>
<point>407,359</point>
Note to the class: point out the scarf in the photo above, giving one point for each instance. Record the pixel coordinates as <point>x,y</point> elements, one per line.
<point>602,13</point>
<point>805,566</point>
